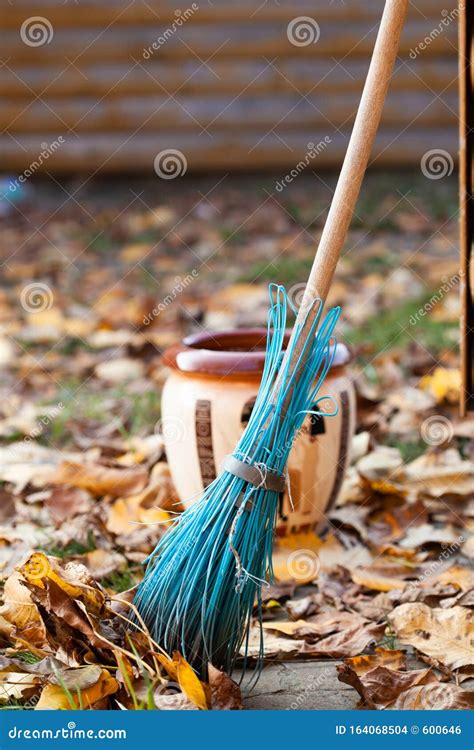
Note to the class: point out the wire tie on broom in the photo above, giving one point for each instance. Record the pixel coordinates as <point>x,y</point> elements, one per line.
<point>260,476</point>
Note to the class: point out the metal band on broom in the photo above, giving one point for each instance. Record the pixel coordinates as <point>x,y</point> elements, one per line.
<point>206,574</point>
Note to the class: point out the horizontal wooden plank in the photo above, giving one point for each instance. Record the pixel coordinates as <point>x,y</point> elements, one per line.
<point>243,41</point>
<point>191,77</point>
<point>193,113</point>
<point>225,151</point>
<point>121,14</point>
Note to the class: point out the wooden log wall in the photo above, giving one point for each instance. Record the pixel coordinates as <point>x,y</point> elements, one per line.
<point>226,86</point>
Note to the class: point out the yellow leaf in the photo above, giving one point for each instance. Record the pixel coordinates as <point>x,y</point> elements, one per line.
<point>56,697</point>
<point>189,683</point>
<point>39,567</point>
<point>169,665</point>
<point>443,384</point>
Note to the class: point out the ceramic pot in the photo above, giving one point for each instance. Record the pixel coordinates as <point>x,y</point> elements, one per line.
<point>207,400</point>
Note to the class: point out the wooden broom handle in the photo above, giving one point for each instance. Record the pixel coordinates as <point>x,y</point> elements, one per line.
<point>348,185</point>
<point>357,155</point>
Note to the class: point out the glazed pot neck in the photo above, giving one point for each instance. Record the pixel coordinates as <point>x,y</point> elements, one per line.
<point>230,353</point>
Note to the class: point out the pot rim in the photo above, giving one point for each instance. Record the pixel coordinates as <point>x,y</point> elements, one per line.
<point>230,353</point>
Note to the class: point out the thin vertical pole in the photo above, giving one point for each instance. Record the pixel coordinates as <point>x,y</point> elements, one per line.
<point>466,128</point>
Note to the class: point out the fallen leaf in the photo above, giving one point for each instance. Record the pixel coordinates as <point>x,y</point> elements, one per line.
<point>347,642</point>
<point>69,697</point>
<point>225,693</point>
<point>20,618</point>
<point>382,657</point>
<point>64,503</point>
<point>101,563</point>
<point>381,685</point>
<point>436,696</point>
<point>190,683</point>
<point>444,384</point>
<point>101,480</point>
<point>446,635</point>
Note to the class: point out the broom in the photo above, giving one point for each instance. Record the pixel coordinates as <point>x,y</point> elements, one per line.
<point>207,572</point>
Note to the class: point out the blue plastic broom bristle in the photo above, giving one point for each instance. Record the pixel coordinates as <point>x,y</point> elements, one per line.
<point>207,572</point>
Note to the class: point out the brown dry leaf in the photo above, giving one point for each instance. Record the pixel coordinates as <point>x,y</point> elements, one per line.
<point>225,693</point>
<point>382,657</point>
<point>190,683</point>
<point>468,548</point>
<point>440,473</point>
<point>380,578</point>
<point>381,685</point>
<point>101,562</point>
<point>348,642</point>
<point>390,525</point>
<point>294,629</point>
<point>25,463</point>
<point>436,696</point>
<point>20,618</point>
<point>17,686</point>
<point>64,503</point>
<point>307,605</point>
<point>275,646</point>
<point>459,575</point>
<point>418,536</point>
<point>446,635</point>
<point>66,698</point>
<point>353,517</point>
<point>101,480</point>
<point>321,624</point>
<point>379,468</point>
